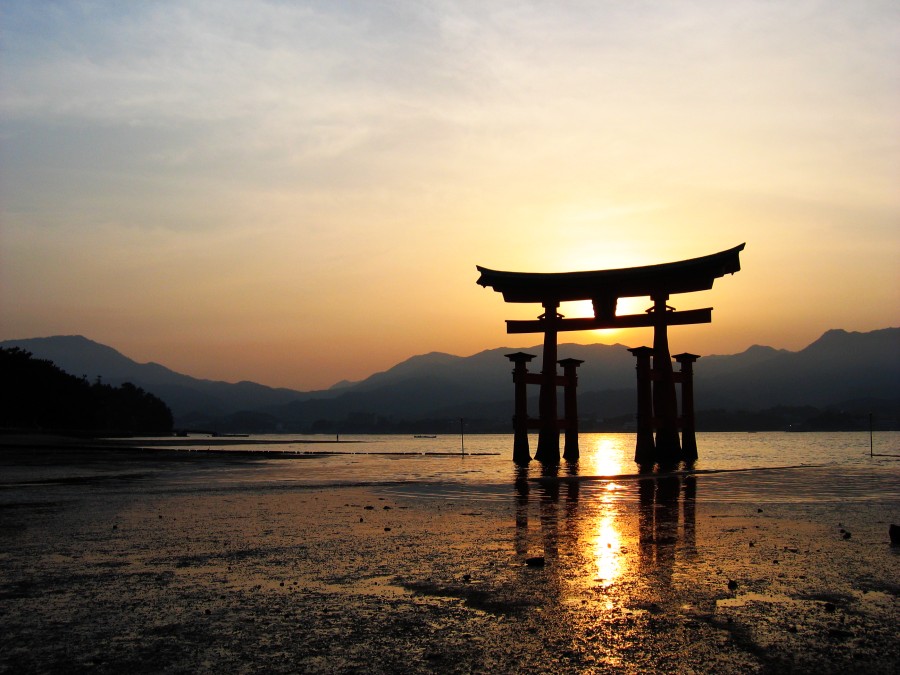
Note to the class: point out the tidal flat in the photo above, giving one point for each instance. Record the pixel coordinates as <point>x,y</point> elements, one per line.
<point>129,561</point>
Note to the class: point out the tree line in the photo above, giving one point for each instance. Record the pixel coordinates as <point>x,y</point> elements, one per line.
<point>37,395</point>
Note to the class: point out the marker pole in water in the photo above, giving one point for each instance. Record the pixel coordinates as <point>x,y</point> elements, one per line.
<point>462,436</point>
<point>871,442</point>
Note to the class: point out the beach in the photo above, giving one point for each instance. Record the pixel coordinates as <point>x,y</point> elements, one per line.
<point>122,560</point>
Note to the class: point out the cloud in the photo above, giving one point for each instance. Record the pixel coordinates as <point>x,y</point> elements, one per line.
<point>276,143</point>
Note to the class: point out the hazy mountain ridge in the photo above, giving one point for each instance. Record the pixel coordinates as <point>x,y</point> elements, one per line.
<point>834,371</point>
<point>184,394</point>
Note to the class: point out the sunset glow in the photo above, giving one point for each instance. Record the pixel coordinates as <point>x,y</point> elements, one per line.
<point>607,545</point>
<point>298,193</point>
<point>606,457</point>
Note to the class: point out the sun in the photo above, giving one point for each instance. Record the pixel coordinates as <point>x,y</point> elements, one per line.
<point>585,309</point>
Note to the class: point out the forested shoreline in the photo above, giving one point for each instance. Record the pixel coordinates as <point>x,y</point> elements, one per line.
<point>36,395</point>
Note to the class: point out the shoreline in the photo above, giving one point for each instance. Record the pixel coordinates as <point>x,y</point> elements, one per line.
<point>137,572</point>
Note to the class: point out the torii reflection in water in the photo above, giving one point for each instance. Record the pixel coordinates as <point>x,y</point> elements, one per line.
<point>620,537</point>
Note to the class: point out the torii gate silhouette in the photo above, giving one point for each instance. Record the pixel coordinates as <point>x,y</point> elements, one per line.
<point>657,401</point>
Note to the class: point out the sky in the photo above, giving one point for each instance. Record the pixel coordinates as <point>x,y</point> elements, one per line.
<point>297,193</point>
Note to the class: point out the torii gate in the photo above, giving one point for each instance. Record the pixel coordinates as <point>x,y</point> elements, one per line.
<point>657,403</point>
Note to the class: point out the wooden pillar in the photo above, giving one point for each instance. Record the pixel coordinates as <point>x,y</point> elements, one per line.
<point>521,453</point>
<point>665,404</point>
<point>645,449</point>
<point>570,451</point>
<point>688,425</point>
<point>548,432</point>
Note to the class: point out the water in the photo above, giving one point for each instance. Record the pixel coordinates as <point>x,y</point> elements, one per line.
<point>732,466</point>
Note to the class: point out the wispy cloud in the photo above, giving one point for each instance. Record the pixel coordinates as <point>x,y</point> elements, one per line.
<point>275,143</point>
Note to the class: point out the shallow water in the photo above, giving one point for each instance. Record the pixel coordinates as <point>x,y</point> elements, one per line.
<point>732,466</point>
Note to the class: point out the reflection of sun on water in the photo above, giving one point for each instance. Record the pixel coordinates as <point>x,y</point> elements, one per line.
<point>604,459</point>
<point>607,547</point>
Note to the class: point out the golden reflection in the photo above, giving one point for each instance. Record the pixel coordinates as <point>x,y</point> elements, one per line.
<point>607,546</point>
<point>605,457</point>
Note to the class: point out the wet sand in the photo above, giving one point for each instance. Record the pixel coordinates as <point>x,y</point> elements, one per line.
<point>126,561</point>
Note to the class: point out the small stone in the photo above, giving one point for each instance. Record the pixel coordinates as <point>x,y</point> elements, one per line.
<point>759,510</point>
<point>467,578</point>
<point>370,508</point>
<point>846,535</point>
<point>537,561</point>
<point>732,585</point>
<point>830,607</point>
<point>387,508</point>
<point>387,529</point>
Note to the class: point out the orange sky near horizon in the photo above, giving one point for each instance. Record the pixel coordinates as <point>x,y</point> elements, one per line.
<point>297,194</point>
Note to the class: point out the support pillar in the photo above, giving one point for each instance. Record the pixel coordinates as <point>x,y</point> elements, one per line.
<point>570,452</point>
<point>645,450</point>
<point>665,404</point>
<point>521,453</point>
<point>548,433</point>
<point>688,425</point>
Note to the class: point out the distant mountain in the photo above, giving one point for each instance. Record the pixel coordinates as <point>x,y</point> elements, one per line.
<point>838,367</point>
<point>840,370</point>
<point>186,396</point>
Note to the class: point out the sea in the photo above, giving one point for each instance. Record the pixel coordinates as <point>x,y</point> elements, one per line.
<point>763,466</point>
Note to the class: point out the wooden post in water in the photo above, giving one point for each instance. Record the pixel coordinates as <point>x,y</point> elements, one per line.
<point>645,449</point>
<point>521,453</point>
<point>665,404</point>
<point>462,436</point>
<point>570,451</point>
<point>548,433</point>
<point>871,440</point>
<point>688,424</point>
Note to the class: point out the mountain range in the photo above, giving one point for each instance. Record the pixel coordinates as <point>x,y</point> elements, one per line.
<point>841,376</point>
